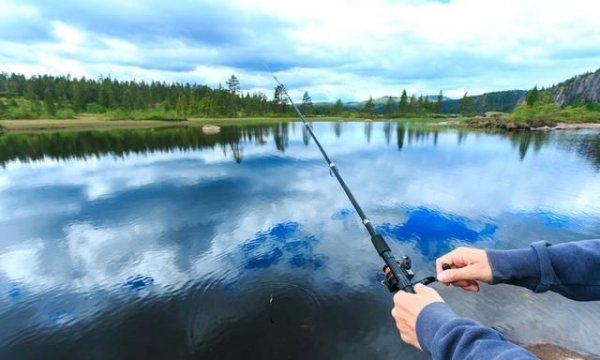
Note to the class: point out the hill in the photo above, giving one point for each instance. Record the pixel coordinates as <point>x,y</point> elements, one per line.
<point>503,101</point>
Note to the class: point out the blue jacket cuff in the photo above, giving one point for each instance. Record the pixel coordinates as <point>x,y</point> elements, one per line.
<point>518,267</point>
<point>430,320</point>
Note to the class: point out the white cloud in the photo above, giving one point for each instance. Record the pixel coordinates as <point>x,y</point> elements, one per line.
<point>341,49</point>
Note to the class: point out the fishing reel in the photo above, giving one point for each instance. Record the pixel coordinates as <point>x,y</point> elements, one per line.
<point>405,265</point>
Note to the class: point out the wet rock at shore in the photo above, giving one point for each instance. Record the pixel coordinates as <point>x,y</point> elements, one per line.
<point>555,352</point>
<point>505,124</point>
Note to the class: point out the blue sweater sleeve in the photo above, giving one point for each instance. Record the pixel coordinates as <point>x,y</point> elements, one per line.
<point>445,335</point>
<point>571,269</point>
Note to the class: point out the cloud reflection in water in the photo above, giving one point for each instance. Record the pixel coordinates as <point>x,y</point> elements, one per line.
<point>104,235</point>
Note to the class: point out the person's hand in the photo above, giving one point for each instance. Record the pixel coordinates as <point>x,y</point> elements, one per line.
<point>468,266</point>
<point>407,308</point>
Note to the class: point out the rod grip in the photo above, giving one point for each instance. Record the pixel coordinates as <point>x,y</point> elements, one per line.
<point>380,245</point>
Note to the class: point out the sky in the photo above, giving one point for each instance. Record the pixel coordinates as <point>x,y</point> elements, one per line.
<point>333,49</point>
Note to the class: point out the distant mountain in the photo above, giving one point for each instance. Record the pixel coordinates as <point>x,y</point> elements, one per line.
<point>504,101</point>
<point>581,88</point>
<point>585,88</point>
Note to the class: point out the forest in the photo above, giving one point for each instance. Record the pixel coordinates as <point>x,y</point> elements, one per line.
<point>64,97</point>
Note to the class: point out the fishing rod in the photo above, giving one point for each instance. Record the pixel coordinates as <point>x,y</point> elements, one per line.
<point>398,272</point>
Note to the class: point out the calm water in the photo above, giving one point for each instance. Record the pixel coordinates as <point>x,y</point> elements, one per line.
<point>172,244</point>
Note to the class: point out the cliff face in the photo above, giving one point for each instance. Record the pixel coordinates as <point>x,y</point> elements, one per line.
<point>582,87</point>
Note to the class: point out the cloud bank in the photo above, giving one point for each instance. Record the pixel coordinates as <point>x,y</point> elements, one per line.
<point>336,49</point>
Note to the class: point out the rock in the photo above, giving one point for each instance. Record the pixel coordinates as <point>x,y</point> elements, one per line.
<point>555,352</point>
<point>211,129</point>
<point>584,87</point>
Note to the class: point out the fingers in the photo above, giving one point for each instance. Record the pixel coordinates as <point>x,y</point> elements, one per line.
<point>467,264</point>
<point>453,258</point>
<point>474,287</point>
<point>458,274</point>
<point>422,289</point>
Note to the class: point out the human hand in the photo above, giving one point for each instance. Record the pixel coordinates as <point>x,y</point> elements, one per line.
<point>468,266</point>
<point>407,308</point>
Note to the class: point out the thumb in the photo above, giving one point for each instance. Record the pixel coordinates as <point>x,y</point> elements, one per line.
<point>452,275</point>
<point>422,289</point>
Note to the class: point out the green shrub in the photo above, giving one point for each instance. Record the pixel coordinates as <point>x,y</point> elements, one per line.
<point>553,112</point>
<point>118,115</point>
<point>19,113</point>
<point>157,115</point>
<point>65,114</point>
<point>94,108</point>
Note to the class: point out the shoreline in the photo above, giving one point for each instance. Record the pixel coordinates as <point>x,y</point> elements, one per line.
<point>569,126</point>
<point>87,123</point>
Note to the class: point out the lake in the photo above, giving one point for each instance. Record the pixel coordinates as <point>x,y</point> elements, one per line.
<point>174,244</point>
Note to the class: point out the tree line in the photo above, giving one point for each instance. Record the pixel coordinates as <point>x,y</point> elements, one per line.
<point>66,96</point>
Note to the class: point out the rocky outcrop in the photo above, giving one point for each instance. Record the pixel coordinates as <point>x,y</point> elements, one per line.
<point>584,87</point>
<point>503,123</point>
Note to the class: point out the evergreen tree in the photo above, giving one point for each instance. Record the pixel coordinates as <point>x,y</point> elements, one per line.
<point>532,96</point>
<point>368,108</point>
<point>389,107</point>
<point>233,84</point>
<point>279,99</point>
<point>466,104</point>
<point>338,107</point>
<point>180,107</point>
<point>78,97</point>
<point>403,103</point>
<point>439,104</point>
<point>307,105</point>
<point>426,104</point>
<point>412,105</point>
<point>49,103</point>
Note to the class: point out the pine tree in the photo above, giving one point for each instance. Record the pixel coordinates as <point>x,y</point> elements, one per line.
<point>180,107</point>
<point>389,107</point>
<point>403,103</point>
<point>307,105</point>
<point>532,96</point>
<point>49,103</point>
<point>440,99</point>
<point>426,104</point>
<point>279,99</point>
<point>466,104</point>
<point>233,84</point>
<point>338,107</point>
<point>368,108</point>
<point>412,106</point>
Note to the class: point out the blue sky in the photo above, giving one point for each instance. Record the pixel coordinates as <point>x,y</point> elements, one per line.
<point>332,49</point>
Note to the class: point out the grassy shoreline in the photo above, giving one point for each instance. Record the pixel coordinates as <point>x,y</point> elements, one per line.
<point>91,122</point>
<point>94,122</point>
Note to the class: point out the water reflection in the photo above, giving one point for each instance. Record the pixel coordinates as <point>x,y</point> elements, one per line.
<point>66,145</point>
<point>433,231</point>
<point>175,244</point>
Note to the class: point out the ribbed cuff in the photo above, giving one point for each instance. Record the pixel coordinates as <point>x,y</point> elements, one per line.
<point>518,267</point>
<point>430,320</point>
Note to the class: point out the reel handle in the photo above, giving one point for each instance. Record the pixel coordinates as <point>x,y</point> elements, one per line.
<point>392,284</point>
